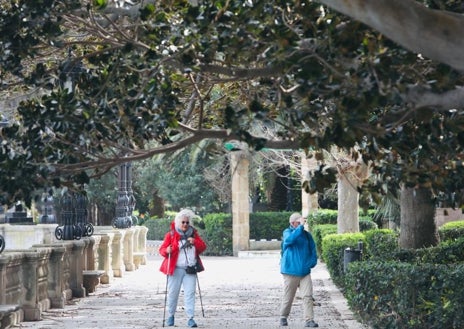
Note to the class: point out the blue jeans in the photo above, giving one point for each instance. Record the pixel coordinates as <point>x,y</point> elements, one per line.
<point>188,282</point>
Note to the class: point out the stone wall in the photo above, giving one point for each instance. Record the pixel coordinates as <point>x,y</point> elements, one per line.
<point>445,215</point>
<point>45,274</point>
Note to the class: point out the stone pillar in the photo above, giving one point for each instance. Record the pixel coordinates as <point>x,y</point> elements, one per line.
<point>92,259</point>
<point>309,202</point>
<point>142,245</point>
<point>66,269</point>
<point>35,269</point>
<point>129,249</point>
<point>10,280</point>
<point>240,202</point>
<point>76,269</point>
<point>104,257</point>
<point>56,284</point>
<point>117,252</point>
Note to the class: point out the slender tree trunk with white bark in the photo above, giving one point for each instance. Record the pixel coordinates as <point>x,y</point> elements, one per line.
<point>348,207</point>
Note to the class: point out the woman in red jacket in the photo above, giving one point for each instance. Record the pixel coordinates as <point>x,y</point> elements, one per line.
<point>181,248</point>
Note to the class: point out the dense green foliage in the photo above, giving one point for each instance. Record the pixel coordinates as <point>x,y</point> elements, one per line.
<point>157,228</point>
<point>399,289</point>
<point>333,247</point>
<point>107,84</point>
<point>180,180</point>
<point>217,228</point>
<point>320,231</point>
<point>414,289</point>
<point>268,225</point>
<point>322,216</point>
<point>451,230</point>
<point>406,296</point>
<point>218,234</point>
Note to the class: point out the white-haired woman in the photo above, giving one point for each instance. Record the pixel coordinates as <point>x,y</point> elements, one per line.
<point>181,248</point>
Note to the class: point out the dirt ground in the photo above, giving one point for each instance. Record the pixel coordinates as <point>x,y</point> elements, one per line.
<point>235,293</point>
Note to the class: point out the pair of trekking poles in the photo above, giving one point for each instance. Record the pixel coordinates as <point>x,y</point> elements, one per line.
<point>166,292</point>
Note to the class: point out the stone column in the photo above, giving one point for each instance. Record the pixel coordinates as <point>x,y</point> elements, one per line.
<point>35,284</point>
<point>56,283</point>
<point>142,245</point>
<point>129,250</point>
<point>309,202</point>
<point>105,257</point>
<point>76,268</point>
<point>117,252</point>
<point>240,202</point>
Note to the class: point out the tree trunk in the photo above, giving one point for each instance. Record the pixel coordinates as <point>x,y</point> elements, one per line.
<point>157,205</point>
<point>279,191</point>
<point>348,207</point>
<point>417,228</point>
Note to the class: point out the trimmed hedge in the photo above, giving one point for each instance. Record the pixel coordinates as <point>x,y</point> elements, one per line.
<point>402,289</point>
<point>319,232</point>
<point>322,216</point>
<point>268,225</point>
<point>376,243</point>
<point>263,225</point>
<point>381,243</point>
<point>333,248</point>
<point>451,230</point>
<point>395,295</point>
<point>157,228</point>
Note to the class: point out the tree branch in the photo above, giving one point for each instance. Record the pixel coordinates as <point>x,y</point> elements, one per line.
<point>412,25</point>
<point>421,98</point>
<point>135,155</point>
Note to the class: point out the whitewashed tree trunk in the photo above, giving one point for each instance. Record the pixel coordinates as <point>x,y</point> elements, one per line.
<point>240,202</point>
<point>348,206</point>
<point>309,202</point>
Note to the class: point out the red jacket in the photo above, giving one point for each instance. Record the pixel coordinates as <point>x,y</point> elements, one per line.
<point>172,239</point>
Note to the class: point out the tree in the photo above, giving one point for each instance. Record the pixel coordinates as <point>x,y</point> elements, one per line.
<point>180,180</point>
<point>105,80</point>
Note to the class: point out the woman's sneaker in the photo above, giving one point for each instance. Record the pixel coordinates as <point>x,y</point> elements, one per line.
<point>170,321</point>
<point>191,323</point>
<point>311,324</point>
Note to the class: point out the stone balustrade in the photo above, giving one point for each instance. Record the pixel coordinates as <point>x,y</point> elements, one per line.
<point>49,274</point>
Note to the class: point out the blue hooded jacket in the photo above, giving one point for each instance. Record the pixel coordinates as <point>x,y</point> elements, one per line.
<point>299,254</point>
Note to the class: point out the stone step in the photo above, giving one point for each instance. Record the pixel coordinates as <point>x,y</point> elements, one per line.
<point>259,254</point>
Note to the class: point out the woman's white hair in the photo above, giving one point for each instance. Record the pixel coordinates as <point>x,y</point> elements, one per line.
<point>184,214</point>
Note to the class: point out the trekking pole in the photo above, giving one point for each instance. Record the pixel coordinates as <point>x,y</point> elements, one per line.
<point>166,291</point>
<point>199,292</point>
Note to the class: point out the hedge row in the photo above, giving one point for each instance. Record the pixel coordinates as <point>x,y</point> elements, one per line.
<point>217,228</point>
<point>400,289</point>
<point>451,230</point>
<point>396,295</point>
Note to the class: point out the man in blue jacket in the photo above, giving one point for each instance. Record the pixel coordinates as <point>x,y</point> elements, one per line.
<point>299,256</point>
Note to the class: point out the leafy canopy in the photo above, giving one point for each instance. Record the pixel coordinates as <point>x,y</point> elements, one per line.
<point>90,84</point>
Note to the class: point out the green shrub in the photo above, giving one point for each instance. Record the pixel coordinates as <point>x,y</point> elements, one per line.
<point>398,295</point>
<point>445,253</point>
<point>319,232</point>
<point>451,230</point>
<point>322,216</point>
<point>381,243</point>
<point>218,234</point>
<point>268,225</point>
<point>157,228</point>
<point>333,248</point>
<point>366,223</point>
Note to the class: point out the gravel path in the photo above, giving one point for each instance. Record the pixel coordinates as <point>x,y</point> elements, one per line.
<point>235,292</point>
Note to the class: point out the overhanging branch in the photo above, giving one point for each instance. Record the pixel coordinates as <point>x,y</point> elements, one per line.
<point>421,98</point>
<point>137,155</point>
